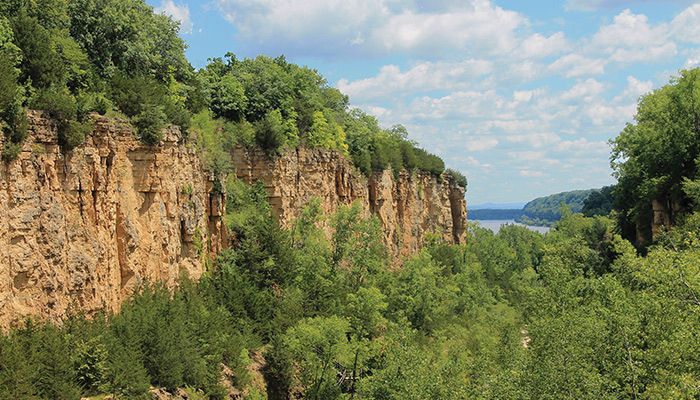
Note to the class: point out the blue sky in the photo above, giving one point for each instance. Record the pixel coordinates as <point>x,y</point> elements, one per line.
<point>521,96</point>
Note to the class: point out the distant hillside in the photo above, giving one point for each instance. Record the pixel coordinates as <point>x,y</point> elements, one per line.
<point>495,214</point>
<point>547,210</point>
<point>498,206</point>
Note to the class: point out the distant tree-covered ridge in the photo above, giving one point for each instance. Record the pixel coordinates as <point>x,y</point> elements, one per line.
<point>71,58</point>
<point>495,214</point>
<point>544,211</point>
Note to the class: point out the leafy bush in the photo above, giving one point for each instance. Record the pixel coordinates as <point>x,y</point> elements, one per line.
<point>150,123</point>
<point>10,151</point>
<point>457,177</point>
<point>75,134</point>
<point>57,102</point>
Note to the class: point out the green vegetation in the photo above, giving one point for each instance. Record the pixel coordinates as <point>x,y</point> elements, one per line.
<point>275,105</point>
<point>657,158</point>
<point>574,314</point>
<point>74,57</point>
<point>547,210</point>
<point>599,202</point>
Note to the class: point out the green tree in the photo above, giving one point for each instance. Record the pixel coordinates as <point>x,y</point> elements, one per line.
<point>228,99</point>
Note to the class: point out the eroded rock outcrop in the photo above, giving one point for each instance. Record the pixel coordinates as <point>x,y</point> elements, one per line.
<point>81,230</point>
<point>408,206</point>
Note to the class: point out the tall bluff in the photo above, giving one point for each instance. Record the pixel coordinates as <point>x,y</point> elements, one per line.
<point>80,231</point>
<point>408,207</point>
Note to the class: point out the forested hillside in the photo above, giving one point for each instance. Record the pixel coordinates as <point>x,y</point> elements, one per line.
<point>546,210</point>
<point>577,313</point>
<point>74,57</point>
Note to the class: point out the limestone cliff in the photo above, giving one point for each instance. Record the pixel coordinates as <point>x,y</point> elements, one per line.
<point>408,207</point>
<point>80,230</point>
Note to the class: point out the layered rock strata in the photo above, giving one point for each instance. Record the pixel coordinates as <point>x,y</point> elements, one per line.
<point>408,205</point>
<point>80,230</point>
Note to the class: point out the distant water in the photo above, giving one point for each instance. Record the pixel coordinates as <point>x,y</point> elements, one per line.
<point>496,224</point>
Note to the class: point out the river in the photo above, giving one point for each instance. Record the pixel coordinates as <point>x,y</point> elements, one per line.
<point>496,224</point>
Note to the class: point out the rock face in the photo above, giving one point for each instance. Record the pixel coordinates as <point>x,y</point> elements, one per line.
<point>408,207</point>
<point>82,230</point>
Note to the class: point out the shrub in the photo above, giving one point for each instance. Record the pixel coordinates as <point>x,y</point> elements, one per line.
<point>273,133</point>
<point>93,102</point>
<point>150,123</point>
<point>228,98</point>
<point>10,151</point>
<point>457,177</point>
<point>74,134</point>
<point>57,102</point>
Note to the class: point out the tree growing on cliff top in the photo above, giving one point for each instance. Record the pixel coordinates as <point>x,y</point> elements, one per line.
<point>653,156</point>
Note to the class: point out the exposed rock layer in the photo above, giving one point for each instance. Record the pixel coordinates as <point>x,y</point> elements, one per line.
<point>408,207</point>
<point>80,230</point>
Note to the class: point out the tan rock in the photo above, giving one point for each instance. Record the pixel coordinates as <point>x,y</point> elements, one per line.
<point>408,208</point>
<point>82,230</point>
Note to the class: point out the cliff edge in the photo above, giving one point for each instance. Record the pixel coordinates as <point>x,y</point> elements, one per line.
<point>81,230</point>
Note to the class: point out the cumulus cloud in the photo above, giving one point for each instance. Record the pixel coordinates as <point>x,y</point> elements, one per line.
<point>685,27</point>
<point>425,76</point>
<point>316,27</point>
<point>178,12</point>
<point>538,45</point>
<point>574,65</point>
<point>480,144</point>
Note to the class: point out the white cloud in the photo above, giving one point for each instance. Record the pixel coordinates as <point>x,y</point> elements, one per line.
<point>479,26</point>
<point>630,38</point>
<point>178,12</point>
<point>634,89</point>
<point>537,45</point>
<point>575,65</point>
<point>531,174</point>
<point>426,76</point>
<point>527,155</point>
<point>535,140</point>
<point>685,27</point>
<point>586,90</point>
<point>480,144</point>
<point>316,27</point>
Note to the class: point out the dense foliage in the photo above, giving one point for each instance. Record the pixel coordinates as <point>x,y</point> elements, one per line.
<point>574,314</point>
<point>548,209</point>
<point>600,202</point>
<point>658,156</point>
<point>74,57</point>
